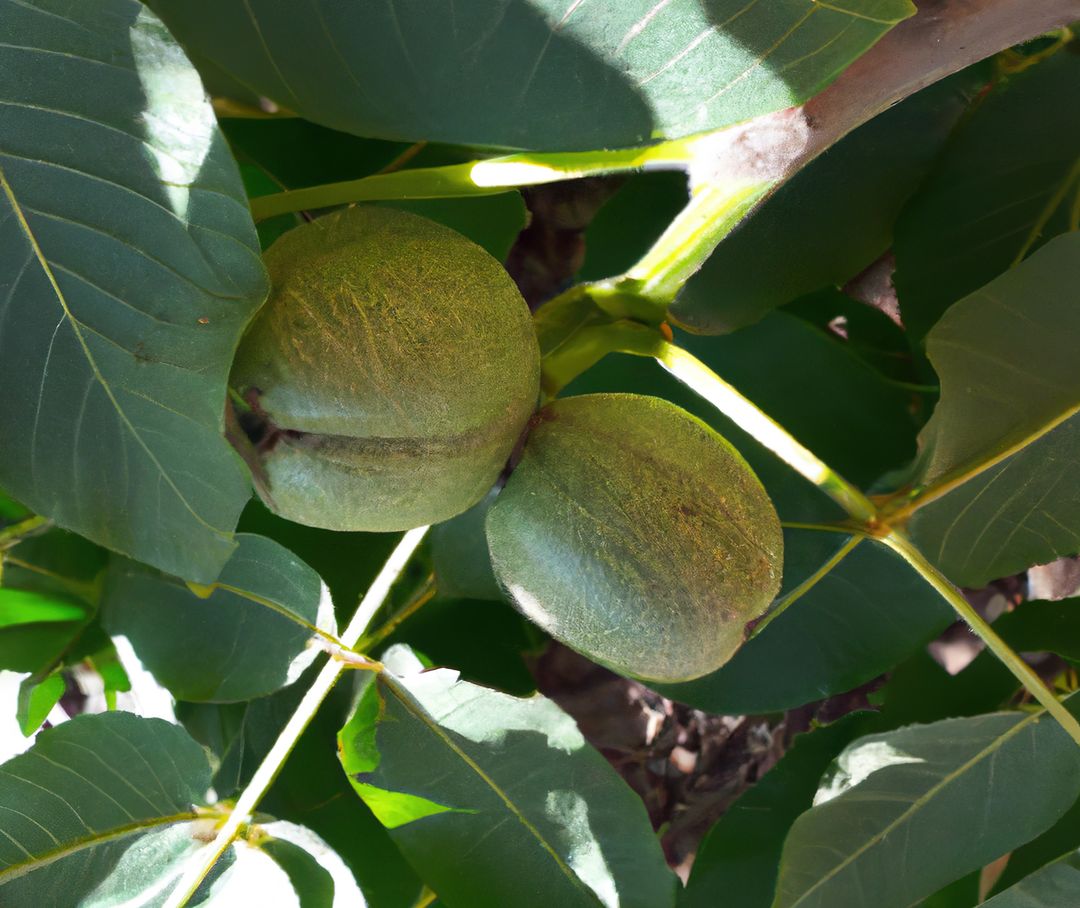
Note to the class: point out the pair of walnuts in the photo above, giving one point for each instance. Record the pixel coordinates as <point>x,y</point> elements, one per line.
<point>393,372</point>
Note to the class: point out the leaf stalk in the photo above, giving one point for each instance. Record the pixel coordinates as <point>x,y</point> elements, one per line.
<point>271,765</point>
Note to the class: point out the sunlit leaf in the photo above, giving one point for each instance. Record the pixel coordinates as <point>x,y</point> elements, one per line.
<point>458,772</point>
<point>556,74</point>
<point>905,812</point>
<point>85,793</point>
<point>130,268</point>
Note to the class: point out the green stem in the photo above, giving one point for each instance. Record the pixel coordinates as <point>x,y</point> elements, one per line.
<point>486,177</point>
<point>17,532</point>
<point>711,214</point>
<point>423,596</point>
<point>900,544</point>
<point>264,776</point>
<point>746,415</point>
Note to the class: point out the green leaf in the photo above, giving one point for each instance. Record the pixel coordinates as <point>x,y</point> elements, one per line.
<point>832,219</point>
<point>460,554</point>
<point>739,857</point>
<point>84,793</point>
<point>998,450</point>
<point>1000,191</point>
<point>1054,884</point>
<point>847,622</point>
<point>25,607</point>
<point>551,74</point>
<point>492,222</point>
<point>36,700</point>
<point>131,267</point>
<point>57,563</point>
<point>247,638</point>
<point>963,893</point>
<point>1036,625</point>
<point>36,628</point>
<point>347,562</point>
<point>539,815</point>
<point>1062,837</point>
<point>152,863</point>
<point>905,812</point>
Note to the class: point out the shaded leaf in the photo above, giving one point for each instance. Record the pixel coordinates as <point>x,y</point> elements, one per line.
<point>1000,446</point>
<point>554,74</point>
<point>1062,837</point>
<point>347,562</point>
<point>131,267</point>
<point>864,614</point>
<point>819,390</point>
<point>459,771</point>
<point>459,551</point>
<point>894,820</point>
<point>246,638</point>
<point>739,858</point>
<point>1000,191</point>
<point>84,793</point>
<point>832,219</point>
<point>488,642</point>
<point>1054,884</point>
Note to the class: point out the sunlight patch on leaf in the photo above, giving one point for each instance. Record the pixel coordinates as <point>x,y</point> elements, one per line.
<point>857,764</point>
<point>180,125</point>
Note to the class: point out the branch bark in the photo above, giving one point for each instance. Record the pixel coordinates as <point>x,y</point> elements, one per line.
<point>942,38</point>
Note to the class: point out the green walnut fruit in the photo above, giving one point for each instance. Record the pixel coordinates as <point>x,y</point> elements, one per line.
<point>635,534</point>
<point>391,372</point>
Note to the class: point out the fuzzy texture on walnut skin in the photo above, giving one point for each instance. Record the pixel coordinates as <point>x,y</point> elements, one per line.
<point>392,369</point>
<point>635,534</point>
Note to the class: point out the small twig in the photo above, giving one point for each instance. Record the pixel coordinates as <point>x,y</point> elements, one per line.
<point>271,765</point>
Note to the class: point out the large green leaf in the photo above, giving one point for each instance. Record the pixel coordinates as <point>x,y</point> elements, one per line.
<point>129,268</point>
<point>1055,884</point>
<point>553,74</point>
<point>848,621</point>
<point>1003,187</point>
<point>496,800</point>
<point>86,792</point>
<point>247,638</point>
<point>831,220</point>
<point>738,860</point>
<point>1000,451</point>
<point>905,812</point>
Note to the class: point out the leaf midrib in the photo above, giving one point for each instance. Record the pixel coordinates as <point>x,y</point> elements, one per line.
<point>406,699</point>
<point>76,327</point>
<point>920,802</point>
<point>42,859</point>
